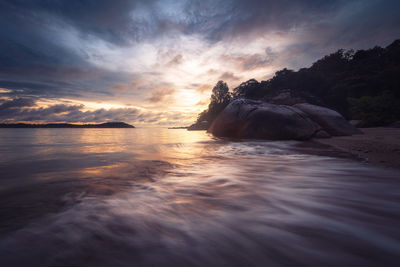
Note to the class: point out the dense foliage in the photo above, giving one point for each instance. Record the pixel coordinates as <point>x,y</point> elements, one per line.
<point>362,85</point>
<point>220,98</point>
<point>379,110</point>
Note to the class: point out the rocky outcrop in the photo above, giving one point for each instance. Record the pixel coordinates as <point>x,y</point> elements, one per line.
<point>198,126</point>
<point>244,118</point>
<point>331,121</point>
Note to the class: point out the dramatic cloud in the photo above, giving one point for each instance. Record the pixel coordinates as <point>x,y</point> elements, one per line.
<point>165,56</point>
<point>208,87</point>
<point>228,76</point>
<point>11,108</point>
<point>160,95</point>
<point>27,110</point>
<point>175,61</point>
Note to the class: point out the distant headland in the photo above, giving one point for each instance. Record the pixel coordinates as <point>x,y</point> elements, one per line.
<point>179,127</point>
<point>67,125</point>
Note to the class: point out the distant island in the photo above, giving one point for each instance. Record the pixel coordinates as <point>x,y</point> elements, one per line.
<point>67,125</point>
<point>179,127</point>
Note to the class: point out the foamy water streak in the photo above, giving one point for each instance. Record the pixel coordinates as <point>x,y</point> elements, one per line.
<point>221,203</point>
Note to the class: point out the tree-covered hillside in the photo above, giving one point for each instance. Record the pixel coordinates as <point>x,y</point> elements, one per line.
<point>362,85</point>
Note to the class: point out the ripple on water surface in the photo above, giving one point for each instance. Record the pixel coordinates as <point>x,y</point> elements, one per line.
<point>218,203</point>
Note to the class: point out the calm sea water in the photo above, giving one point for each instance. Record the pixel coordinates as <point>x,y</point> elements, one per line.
<point>159,197</point>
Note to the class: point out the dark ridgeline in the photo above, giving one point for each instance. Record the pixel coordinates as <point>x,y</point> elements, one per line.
<point>178,127</point>
<point>67,125</point>
<point>362,85</point>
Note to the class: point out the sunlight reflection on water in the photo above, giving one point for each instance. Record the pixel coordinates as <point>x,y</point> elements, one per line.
<point>147,197</point>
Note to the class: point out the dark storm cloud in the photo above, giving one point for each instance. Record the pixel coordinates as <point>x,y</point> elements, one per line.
<point>222,19</point>
<point>27,40</point>
<point>316,27</point>
<point>16,103</point>
<point>43,52</point>
<point>345,20</point>
<point>35,60</point>
<point>109,20</point>
<point>115,22</point>
<point>28,28</point>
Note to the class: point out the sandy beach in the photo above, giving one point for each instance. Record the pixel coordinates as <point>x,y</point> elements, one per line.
<point>375,146</point>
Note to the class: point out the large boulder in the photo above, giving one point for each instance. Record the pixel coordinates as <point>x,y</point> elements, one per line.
<point>331,121</point>
<point>244,118</point>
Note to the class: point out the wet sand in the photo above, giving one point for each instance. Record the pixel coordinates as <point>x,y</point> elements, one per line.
<point>379,146</point>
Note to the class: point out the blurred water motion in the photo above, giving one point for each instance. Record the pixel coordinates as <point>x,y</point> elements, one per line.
<point>158,197</point>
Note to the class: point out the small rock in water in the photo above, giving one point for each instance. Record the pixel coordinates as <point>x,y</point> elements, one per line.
<point>321,134</point>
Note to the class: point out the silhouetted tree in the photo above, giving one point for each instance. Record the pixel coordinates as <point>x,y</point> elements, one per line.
<point>220,93</point>
<point>220,98</point>
<point>249,89</point>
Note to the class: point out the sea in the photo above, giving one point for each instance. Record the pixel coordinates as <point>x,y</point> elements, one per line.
<point>172,197</point>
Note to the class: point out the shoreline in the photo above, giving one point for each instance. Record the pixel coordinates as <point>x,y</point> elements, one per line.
<point>65,125</point>
<point>378,146</point>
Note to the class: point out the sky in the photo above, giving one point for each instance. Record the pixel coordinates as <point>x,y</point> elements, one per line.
<point>154,63</point>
